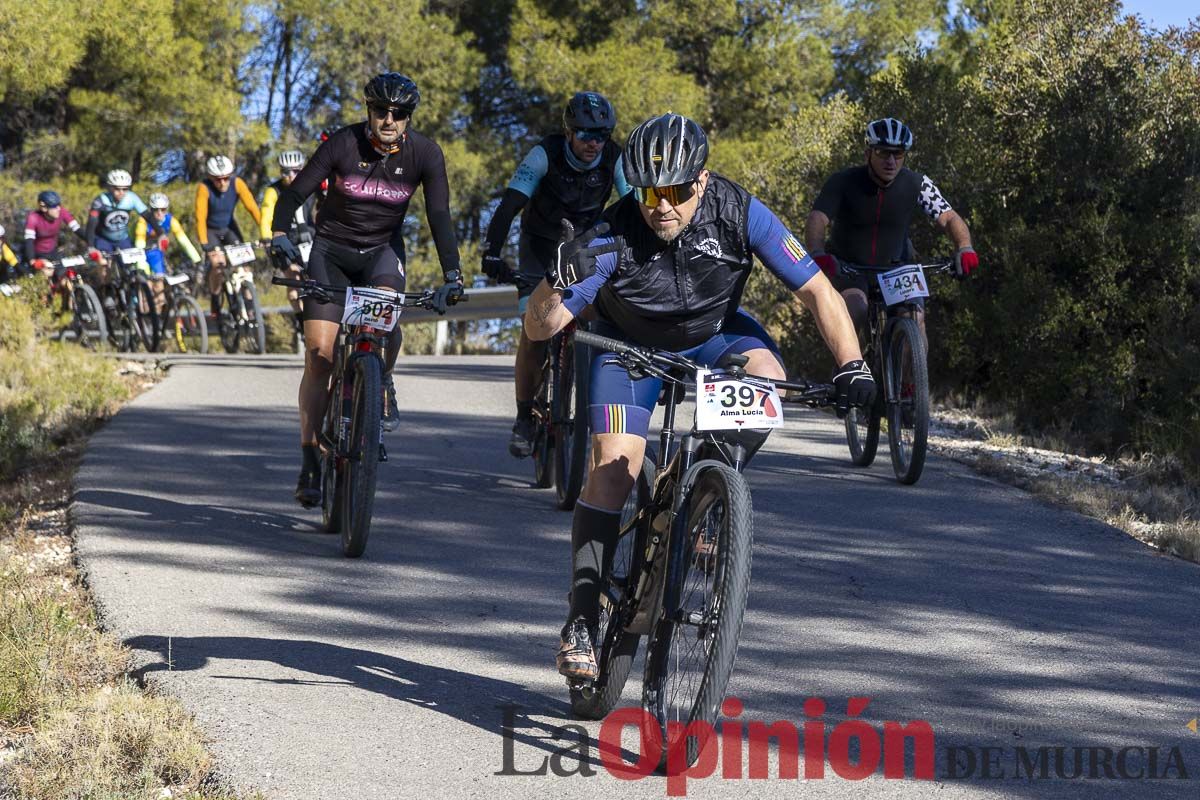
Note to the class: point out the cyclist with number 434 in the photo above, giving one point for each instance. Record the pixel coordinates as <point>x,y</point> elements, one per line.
<point>666,268</point>
<point>373,169</point>
<point>871,207</point>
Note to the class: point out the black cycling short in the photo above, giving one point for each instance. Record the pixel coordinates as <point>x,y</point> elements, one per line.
<point>343,265</point>
<point>863,280</point>
<point>535,256</point>
<point>230,235</point>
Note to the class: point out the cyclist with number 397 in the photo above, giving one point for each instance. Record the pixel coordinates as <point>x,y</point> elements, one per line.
<point>871,207</point>
<point>666,268</point>
<point>373,169</point>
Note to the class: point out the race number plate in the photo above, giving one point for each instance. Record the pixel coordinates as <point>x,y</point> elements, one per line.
<point>177,278</point>
<point>73,261</point>
<point>131,255</point>
<point>239,253</point>
<point>724,402</point>
<point>373,307</point>
<point>305,249</point>
<point>903,283</point>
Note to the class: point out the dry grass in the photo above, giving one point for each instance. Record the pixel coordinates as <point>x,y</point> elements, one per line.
<point>1162,513</point>
<point>72,725</point>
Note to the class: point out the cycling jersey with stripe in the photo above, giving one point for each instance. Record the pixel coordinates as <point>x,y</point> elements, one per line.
<point>870,222</point>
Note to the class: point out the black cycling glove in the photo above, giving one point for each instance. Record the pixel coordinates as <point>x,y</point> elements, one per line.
<point>448,292</point>
<point>285,251</point>
<point>855,387</point>
<point>575,261</point>
<point>496,268</point>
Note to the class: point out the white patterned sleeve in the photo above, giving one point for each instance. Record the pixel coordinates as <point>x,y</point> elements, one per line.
<point>930,199</point>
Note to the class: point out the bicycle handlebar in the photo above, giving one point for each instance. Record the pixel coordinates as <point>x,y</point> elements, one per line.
<point>324,292</point>
<point>663,363</point>
<point>937,266</point>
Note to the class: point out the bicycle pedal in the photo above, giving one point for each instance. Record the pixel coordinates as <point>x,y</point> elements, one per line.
<point>382,453</point>
<point>580,684</point>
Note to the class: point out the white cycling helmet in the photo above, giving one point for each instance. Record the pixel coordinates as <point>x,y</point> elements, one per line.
<point>218,167</point>
<point>118,179</point>
<point>889,132</point>
<point>291,159</point>
<point>159,200</point>
<point>1,231</point>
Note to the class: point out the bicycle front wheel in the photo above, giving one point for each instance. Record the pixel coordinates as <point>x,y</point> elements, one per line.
<point>227,324</point>
<point>362,462</point>
<point>187,330</point>
<point>908,409</point>
<point>694,645</point>
<point>256,330</point>
<point>145,315</point>
<point>88,323</point>
<point>615,646</point>
<point>571,429</point>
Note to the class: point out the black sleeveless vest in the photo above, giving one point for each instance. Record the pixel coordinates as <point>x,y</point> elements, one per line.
<point>566,193</point>
<point>681,294</point>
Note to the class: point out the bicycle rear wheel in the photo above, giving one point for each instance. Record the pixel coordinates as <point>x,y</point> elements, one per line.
<point>616,647</point>
<point>362,463</point>
<point>908,417</point>
<point>571,429</point>
<point>862,429</point>
<point>543,441</point>
<point>693,647</point>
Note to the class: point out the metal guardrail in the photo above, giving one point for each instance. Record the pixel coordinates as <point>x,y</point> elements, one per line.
<point>489,302</point>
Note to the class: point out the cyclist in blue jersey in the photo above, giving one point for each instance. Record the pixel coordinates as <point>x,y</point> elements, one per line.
<point>567,175</point>
<point>112,211</point>
<point>871,207</point>
<point>669,273</point>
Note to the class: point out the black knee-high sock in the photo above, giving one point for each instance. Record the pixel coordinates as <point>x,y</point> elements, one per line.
<point>593,538</point>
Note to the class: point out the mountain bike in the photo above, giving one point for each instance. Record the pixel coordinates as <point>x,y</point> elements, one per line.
<point>128,302</point>
<point>561,433</point>
<point>184,324</point>
<point>88,325</point>
<point>681,570</point>
<point>239,313</point>
<point>896,354</point>
<point>351,436</point>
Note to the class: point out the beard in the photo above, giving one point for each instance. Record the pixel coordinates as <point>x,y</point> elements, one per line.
<point>668,236</point>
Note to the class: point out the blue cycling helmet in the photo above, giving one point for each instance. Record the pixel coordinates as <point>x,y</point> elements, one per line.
<point>49,199</point>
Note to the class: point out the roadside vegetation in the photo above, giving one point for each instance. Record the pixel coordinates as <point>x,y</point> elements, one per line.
<point>72,723</point>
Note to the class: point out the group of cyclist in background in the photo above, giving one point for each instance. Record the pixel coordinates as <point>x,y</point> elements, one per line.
<point>662,266</point>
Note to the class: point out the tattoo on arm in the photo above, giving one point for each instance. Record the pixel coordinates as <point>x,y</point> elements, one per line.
<point>543,310</point>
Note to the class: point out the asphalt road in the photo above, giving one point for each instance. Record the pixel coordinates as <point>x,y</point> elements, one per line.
<point>1001,622</point>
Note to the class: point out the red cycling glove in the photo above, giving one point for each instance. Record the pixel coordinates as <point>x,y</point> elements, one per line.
<point>966,261</point>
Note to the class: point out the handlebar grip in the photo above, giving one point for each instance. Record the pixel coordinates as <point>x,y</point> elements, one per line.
<point>291,282</point>
<point>602,342</point>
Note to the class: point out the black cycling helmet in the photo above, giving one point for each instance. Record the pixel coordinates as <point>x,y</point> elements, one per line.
<point>392,89</point>
<point>49,199</point>
<point>589,111</point>
<point>665,151</point>
<point>889,132</point>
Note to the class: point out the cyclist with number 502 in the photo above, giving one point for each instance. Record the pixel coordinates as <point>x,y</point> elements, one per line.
<point>665,269</point>
<point>373,169</point>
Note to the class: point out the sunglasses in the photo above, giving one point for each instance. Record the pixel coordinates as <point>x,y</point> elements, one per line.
<point>593,134</point>
<point>883,153</point>
<point>397,114</point>
<point>291,172</point>
<point>221,178</point>
<point>675,195</point>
